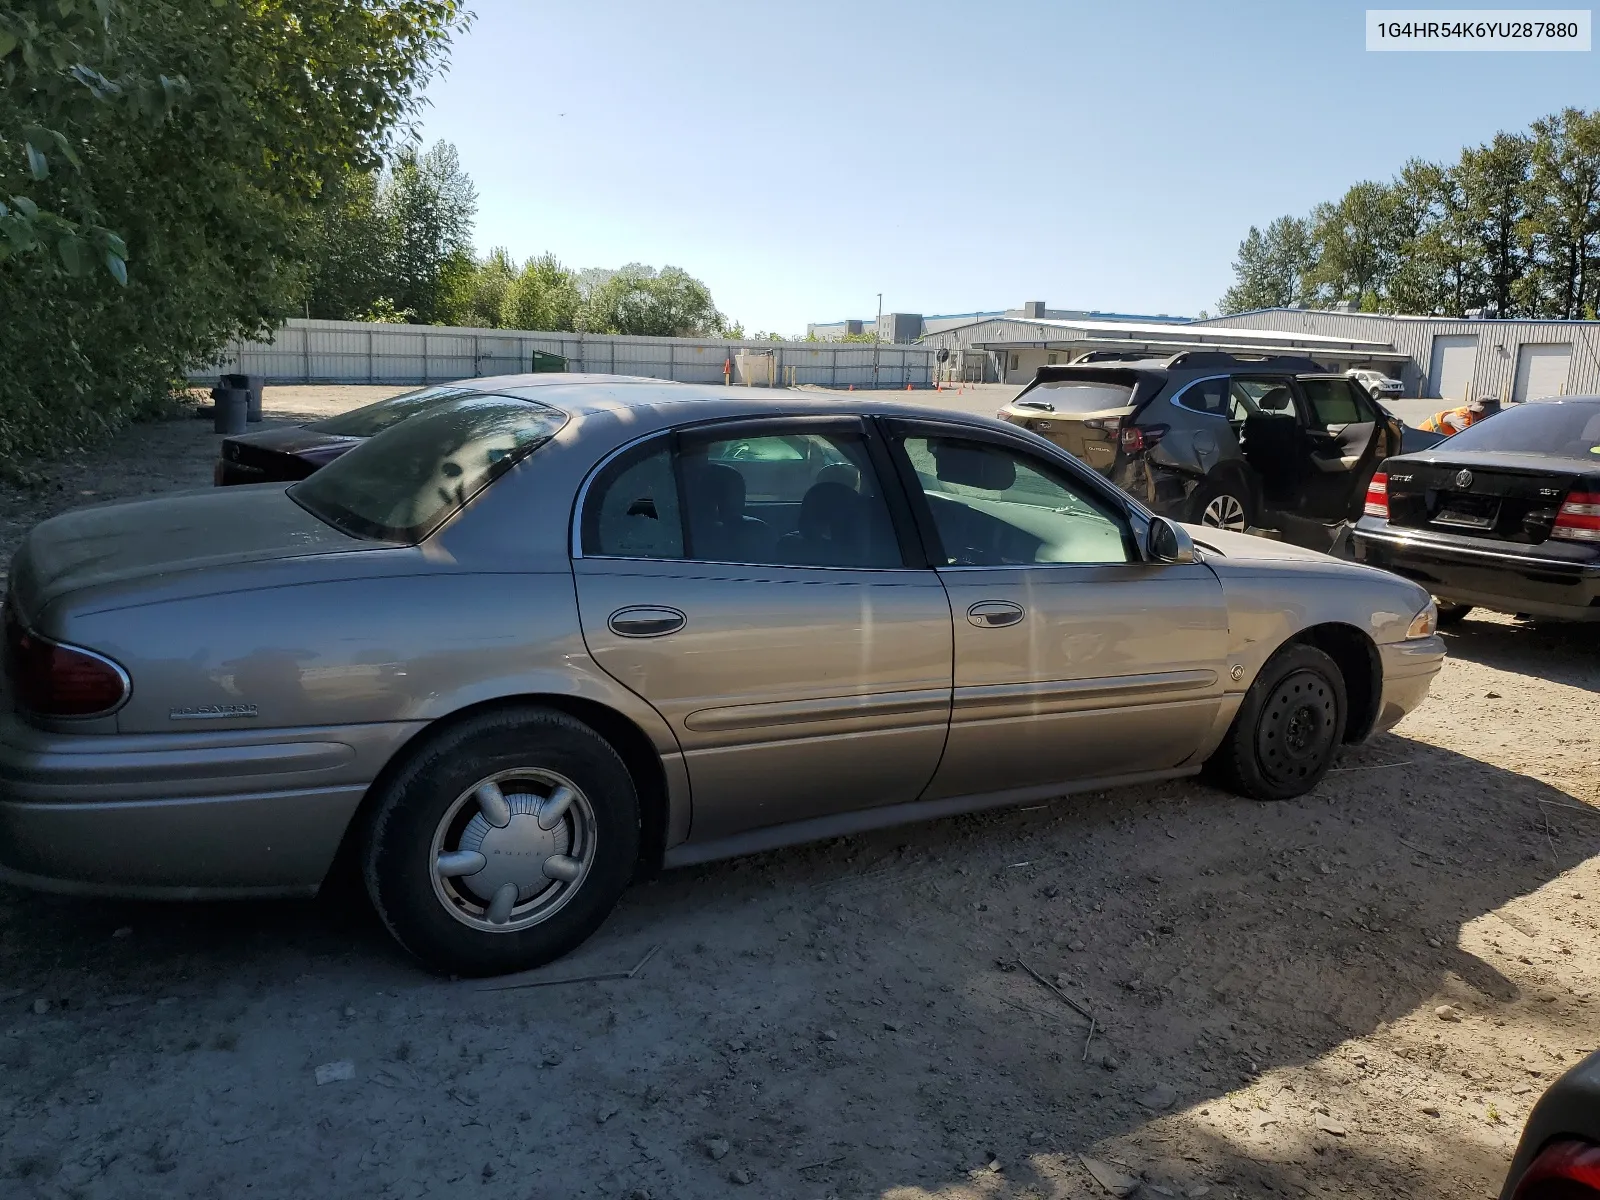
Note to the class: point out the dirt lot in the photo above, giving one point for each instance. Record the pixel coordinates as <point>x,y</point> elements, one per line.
<point>848,1019</point>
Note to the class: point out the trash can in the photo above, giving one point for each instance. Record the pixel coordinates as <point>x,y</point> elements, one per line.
<point>232,409</point>
<point>251,384</point>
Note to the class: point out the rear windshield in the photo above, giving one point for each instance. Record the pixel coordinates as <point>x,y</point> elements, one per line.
<point>404,483</point>
<point>372,419</point>
<point>1081,395</point>
<point>1564,430</point>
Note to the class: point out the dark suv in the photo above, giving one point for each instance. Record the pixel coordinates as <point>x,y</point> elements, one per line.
<point>1215,439</point>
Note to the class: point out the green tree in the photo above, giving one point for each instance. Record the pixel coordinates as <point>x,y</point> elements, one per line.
<point>1494,182</point>
<point>428,204</point>
<point>1356,241</point>
<point>640,300</point>
<point>1272,267</point>
<point>1565,221</point>
<point>187,145</point>
<point>543,296</point>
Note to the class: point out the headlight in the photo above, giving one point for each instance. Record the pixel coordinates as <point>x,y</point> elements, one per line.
<point>1425,623</point>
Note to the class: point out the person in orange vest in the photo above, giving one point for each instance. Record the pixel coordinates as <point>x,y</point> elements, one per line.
<point>1454,420</point>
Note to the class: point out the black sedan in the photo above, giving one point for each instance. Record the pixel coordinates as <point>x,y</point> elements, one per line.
<point>1505,515</point>
<point>287,454</point>
<point>1558,1157</point>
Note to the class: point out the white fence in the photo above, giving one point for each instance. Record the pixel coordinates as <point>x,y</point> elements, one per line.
<point>359,352</point>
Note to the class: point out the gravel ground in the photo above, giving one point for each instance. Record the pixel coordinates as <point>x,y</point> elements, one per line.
<point>1359,992</point>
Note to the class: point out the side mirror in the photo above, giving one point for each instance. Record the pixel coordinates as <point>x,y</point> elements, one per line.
<point>1167,542</point>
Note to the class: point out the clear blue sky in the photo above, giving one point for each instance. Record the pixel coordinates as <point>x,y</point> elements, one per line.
<point>801,158</point>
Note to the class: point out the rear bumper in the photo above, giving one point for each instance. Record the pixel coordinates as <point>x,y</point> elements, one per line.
<point>1408,671</point>
<point>1503,581</point>
<point>186,816</point>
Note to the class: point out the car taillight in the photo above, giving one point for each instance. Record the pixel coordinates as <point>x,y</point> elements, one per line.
<point>54,680</point>
<point>1377,504</point>
<point>1566,1170</point>
<point>1578,518</point>
<point>1134,439</point>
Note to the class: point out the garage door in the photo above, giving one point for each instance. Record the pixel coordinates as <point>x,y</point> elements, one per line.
<point>1541,371</point>
<point>1451,368</point>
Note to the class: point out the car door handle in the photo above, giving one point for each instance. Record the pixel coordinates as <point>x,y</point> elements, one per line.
<point>993,614</point>
<point>646,621</point>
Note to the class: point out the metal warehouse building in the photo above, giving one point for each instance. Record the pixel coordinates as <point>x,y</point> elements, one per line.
<point>1012,349</point>
<point>1448,357</point>
<point>1454,357</point>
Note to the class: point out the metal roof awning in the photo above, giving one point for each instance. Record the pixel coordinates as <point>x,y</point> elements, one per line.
<point>1310,347</point>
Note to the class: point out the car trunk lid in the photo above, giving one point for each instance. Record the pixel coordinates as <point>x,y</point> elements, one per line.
<point>113,543</point>
<point>1084,409</point>
<point>1486,494</point>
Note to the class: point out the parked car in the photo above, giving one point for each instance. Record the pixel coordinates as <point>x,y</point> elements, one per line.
<point>1219,440</point>
<point>1505,515</point>
<point>290,453</point>
<point>1379,386</point>
<point>523,643</point>
<point>1558,1157</point>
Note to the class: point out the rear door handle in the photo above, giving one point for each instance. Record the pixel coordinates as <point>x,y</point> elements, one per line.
<point>993,614</point>
<point>645,621</point>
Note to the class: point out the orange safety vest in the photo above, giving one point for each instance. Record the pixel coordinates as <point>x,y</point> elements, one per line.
<point>1464,415</point>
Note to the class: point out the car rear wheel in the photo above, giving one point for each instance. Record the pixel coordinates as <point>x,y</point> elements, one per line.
<point>1288,728</point>
<point>1223,504</point>
<point>1453,614</point>
<point>503,843</point>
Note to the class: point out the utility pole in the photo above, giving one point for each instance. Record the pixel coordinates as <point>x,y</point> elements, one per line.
<point>877,336</point>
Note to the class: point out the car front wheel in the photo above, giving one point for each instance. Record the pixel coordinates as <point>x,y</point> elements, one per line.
<point>503,843</point>
<point>1288,727</point>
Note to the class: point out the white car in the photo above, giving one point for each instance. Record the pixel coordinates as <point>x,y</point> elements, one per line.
<point>1379,386</point>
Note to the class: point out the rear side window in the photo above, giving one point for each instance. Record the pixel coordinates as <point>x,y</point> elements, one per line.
<point>372,419</point>
<point>404,483</point>
<point>1206,396</point>
<point>634,510</point>
<point>1083,396</point>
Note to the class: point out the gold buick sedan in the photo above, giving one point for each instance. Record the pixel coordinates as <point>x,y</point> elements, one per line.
<point>556,630</point>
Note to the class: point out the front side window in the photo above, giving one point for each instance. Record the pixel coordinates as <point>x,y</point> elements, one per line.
<point>1266,397</point>
<point>993,506</point>
<point>404,483</point>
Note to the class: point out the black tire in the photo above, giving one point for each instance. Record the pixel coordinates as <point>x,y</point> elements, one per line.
<point>1216,495</point>
<point>1453,614</point>
<point>1288,728</point>
<point>398,861</point>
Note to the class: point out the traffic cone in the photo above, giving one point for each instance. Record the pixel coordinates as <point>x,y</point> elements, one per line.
<point>852,387</point>
<point>908,387</point>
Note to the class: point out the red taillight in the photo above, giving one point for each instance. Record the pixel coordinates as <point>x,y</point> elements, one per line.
<point>1134,439</point>
<point>1578,518</point>
<point>53,680</point>
<point>1568,1170</point>
<point>1377,504</point>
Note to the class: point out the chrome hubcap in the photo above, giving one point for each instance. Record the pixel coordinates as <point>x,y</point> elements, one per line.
<point>1224,512</point>
<point>513,849</point>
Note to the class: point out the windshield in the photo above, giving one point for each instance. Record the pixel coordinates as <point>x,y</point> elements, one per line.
<point>404,483</point>
<point>1564,430</point>
<point>1080,395</point>
<point>372,419</point>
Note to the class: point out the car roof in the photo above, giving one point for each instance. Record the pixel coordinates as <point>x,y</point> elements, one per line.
<point>592,395</point>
